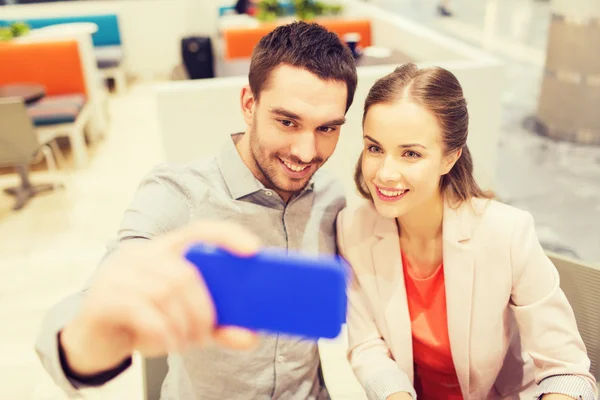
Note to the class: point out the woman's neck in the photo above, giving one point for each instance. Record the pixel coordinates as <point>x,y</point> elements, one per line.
<point>423,224</point>
<point>421,237</point>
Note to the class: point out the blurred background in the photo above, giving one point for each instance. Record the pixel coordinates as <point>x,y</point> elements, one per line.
<point>95,93</point>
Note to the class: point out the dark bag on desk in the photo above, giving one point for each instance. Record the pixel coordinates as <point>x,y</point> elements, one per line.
<point>197,57</point>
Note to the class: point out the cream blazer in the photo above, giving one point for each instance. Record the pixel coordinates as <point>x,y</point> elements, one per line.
<point>509,323</point>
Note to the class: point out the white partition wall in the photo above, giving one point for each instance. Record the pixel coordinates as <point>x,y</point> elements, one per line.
<point>195,117</point>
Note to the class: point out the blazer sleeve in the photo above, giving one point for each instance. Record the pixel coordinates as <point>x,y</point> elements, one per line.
<point>545,318</point>
<point>368,354</point>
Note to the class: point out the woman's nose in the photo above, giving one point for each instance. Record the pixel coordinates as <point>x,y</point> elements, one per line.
<point>389,171</point>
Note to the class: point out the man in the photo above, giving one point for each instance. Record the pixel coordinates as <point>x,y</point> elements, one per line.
<point>145,297</point>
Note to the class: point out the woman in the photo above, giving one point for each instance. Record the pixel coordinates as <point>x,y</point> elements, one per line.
<point>452,295</point>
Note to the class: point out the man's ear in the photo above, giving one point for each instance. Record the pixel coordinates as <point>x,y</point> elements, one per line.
<point>248,102</point>
<point>450,160</point>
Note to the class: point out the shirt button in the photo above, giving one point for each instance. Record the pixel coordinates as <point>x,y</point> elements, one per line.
<point>268,193</point>
<point>279,358</point>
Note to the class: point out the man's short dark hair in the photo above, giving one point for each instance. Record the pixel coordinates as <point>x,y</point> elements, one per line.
<point>304,45</point>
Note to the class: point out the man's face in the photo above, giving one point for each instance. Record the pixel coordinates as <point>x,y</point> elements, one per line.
<point>294,127</point>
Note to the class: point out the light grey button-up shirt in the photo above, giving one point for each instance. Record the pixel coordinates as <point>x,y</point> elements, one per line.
<point>224,188</point>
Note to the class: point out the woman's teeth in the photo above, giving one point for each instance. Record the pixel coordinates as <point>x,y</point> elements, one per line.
<point>392,194</point>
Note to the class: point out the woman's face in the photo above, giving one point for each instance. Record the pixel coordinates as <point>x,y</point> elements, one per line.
<point>403,157</point>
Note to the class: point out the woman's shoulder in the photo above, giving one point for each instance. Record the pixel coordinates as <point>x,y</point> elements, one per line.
<point>357,220</point>
<point>362,213</point>
<point>497,216</point>
<point>492,208</point>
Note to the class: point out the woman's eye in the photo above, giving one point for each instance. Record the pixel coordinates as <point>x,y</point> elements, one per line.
<point>374,149</point>
<point>412,154</point>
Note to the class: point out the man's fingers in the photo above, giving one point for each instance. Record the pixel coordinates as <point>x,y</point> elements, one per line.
<point>179,291</point>
<point>153,333</point>
<point>236,338</point>
<point>161,291</point>
<point>230,236</point>
<point>199,303</point>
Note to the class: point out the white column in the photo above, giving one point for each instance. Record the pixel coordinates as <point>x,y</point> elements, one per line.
<point>570,96</point>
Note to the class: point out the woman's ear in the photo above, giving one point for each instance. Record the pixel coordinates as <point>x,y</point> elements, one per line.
<point>247,101</point>
<point>450,160</point>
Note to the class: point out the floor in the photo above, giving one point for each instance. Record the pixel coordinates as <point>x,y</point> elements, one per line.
<point>50,247</point>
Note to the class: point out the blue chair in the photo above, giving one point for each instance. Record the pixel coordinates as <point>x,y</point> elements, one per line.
<point>53,110</point>
<point>224,10</point>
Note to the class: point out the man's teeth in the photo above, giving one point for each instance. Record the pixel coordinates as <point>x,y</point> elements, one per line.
<point>391,194</point>
<point>295,168</point>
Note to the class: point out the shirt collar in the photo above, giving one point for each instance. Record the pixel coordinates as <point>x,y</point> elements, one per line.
<point>239,179</point>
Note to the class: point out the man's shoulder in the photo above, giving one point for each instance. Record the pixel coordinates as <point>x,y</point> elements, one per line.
<point>326,183</point>
<point>329,192</point>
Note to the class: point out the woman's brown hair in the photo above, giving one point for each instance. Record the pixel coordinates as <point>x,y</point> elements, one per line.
<point>438,91</point>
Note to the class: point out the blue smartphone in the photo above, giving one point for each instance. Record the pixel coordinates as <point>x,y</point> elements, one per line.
<point>275,291</point>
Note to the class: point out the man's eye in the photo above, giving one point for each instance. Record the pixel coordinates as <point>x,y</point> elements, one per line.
<point>326,129</point>
<point>286,122</point>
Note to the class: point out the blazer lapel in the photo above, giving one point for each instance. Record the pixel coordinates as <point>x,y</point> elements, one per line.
<point>459,275</point>
<point>387,264</point>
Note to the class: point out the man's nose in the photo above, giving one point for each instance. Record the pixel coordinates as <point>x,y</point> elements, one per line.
<point>305,147</point>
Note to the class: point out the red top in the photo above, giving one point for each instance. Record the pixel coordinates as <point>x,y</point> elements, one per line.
<point>435,375</point>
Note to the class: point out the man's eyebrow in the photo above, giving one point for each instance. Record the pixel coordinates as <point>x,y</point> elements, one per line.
<point>291,115</point>
<point>337,121</point>
<point>284,113</point>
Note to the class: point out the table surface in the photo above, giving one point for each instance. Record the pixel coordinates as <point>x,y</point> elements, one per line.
<point>60,31</point>
<point>30,92</point>
<point>240,67</point>
<point>67,28</point>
